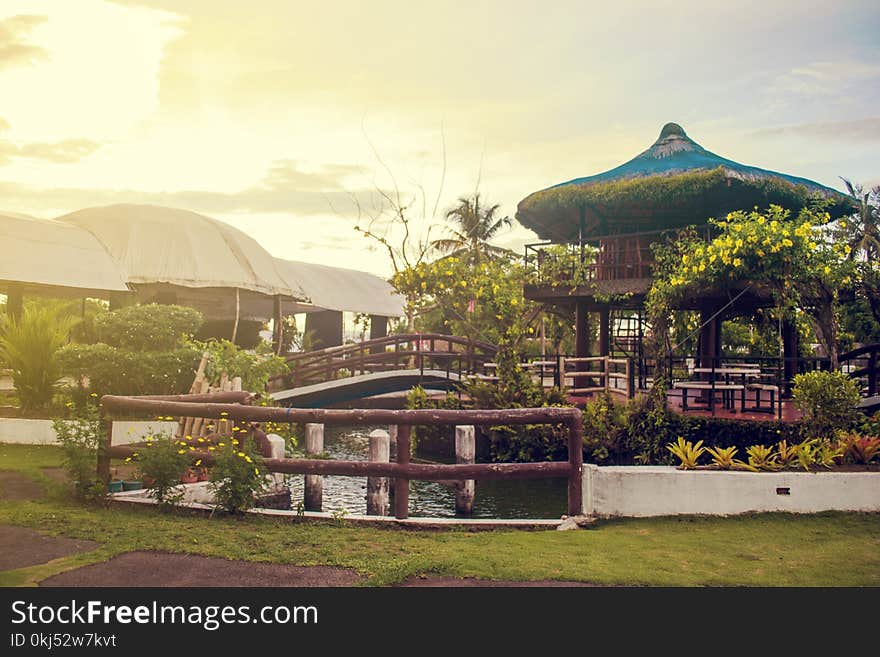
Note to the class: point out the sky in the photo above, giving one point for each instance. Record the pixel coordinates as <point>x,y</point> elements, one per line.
<point>290,119</point>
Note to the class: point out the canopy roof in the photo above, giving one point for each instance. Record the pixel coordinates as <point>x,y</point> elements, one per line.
<point>674,183</point>
<point>47,256</point>
<point>155,244</point>
<point>334,288</point>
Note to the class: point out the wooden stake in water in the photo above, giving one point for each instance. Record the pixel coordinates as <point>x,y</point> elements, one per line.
<point>465,452</point>
<point>377,487</point>
<point>314,484</point>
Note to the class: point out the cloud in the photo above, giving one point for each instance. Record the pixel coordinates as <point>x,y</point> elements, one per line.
<point>15,48</point>
<point>856,130</point>
<point>284,189</point>
<point>59,152</point>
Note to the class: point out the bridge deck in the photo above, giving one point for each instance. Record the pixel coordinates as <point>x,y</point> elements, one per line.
<point>364,385</point>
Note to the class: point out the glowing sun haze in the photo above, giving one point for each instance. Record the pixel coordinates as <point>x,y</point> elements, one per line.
<point>280,117</point>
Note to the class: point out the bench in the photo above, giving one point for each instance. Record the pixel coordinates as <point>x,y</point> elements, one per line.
<point>727,389</point>
<point>759,388</point>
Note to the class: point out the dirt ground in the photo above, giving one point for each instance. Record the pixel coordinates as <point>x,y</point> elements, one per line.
<point>21,547</point>
<point>16,486</point>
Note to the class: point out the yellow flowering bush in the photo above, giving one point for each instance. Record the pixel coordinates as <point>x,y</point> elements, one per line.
<point>237,475</point>
<point>793,259</point>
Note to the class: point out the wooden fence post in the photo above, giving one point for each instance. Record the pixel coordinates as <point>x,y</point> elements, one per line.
<point>377,487</point>
<point>103,465</point>
<point>401,485</point>
<point>465,452</point>
<point>314,484</point>
<point>576,465</point>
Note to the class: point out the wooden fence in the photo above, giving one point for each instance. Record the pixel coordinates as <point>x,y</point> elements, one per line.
<point>402,470</point>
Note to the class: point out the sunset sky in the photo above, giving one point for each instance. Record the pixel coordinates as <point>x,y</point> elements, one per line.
<point>273,115</point>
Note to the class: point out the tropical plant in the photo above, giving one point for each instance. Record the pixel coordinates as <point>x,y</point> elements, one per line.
<point>860,449</point>
<point>827,400</point>
<point>863,228</point>
<point>472,226</point>
<point>762,457</point>
<point>162,461</point>
<point>80,438</point>
<point>29,347</point>
<point>828,453</point>
<point>787,454</point>
<point>722,457</point>
<point>806,453</point>
<point>687,452</point>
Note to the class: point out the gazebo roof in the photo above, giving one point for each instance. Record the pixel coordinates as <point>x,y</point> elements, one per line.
<point>674,183</point>
<point>50,257</point>
<point>155,244</point>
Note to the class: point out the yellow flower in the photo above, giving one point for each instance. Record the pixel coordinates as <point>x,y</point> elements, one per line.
<point>787,242</point>
<point>761,220</point>
<point>211,448</point>
<point>94,394</point>
<point>241,454</point>
<point>201,440</point>
<point>181,451</point>
<point>827,269</point>
<point>248,459</point>
<point>684,258</point>
<point>737,262</point>
<point>222,413</point>
<point>256,471</point>
<point>199,462</point>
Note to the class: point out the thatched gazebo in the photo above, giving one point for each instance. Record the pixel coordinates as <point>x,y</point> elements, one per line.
<point>618,214</point>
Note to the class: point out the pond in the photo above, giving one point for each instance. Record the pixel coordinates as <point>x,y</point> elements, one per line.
<point>517,498</point>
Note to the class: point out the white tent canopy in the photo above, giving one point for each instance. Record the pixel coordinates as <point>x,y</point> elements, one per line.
<point>43,253</point>
<point>155,244</point>
<point>335,288</point>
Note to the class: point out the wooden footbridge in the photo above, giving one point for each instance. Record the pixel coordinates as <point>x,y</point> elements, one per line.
<point>393,363</point>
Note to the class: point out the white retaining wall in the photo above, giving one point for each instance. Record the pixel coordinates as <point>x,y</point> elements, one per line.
<point>40,432</point>
<point>640,491</point>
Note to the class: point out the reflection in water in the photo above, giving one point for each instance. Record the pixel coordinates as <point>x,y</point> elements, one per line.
<point>518,498</point>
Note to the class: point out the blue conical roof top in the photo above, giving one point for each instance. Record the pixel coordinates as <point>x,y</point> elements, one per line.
<point>675,182</point>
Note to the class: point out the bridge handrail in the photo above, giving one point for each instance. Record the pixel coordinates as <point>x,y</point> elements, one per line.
<point>403,471</point>
<point>395,338</point>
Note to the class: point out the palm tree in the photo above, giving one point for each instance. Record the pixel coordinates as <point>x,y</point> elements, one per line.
<point>866,234</point>
<point>472,226</point>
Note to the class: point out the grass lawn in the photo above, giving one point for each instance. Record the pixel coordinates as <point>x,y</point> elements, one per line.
<point>829,549</point>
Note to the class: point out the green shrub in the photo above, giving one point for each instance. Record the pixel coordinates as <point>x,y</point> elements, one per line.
<point>162,461</point>
<point>254,367</point>
<point>141,350</point>
<point>516,389</point>
<point>148,327</point>
<point>30,348</point>
<point>827,400</point>
<point>237,475</point>
<point>112,370</point>
<point>80,438</point>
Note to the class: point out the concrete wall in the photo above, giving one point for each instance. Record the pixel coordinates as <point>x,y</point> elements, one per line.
<point>639,491</point>
<point>40,432</point>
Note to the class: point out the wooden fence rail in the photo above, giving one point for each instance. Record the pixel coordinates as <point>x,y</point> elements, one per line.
<point>402,471</point>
